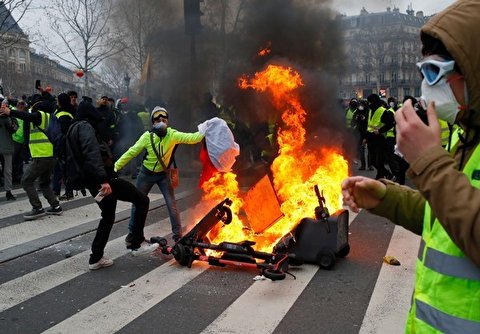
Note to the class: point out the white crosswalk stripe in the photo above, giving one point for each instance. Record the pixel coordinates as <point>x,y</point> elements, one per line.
<point>260,307</point>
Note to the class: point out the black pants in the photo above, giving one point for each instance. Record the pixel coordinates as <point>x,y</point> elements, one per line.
<point>17,161</point>
<point>376,144</point>
<point>124,191</point>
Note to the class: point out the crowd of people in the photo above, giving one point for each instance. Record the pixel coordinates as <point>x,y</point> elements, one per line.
<point>82,157</point>
<point>436,143</point>
<point>372,123</point>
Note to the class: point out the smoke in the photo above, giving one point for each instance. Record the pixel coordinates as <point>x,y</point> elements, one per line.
<point>305,35</point>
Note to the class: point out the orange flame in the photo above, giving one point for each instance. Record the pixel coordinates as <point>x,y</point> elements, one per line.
<point>265,51</point>
<point>295,170</point>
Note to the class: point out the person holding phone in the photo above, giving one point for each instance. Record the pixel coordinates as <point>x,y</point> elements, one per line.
<point>43,161</point>
<point>445,206</point>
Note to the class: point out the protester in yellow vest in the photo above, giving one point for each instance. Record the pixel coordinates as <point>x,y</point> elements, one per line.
<point>352,107</point>
<point>43,162</point>
<point>18,145</point>
<point>445,209</point>
<point>379,123</point>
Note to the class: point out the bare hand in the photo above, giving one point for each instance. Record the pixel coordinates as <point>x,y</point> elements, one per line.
<point>362,192</point>
<point>415,138</point>
<point>105,189</point>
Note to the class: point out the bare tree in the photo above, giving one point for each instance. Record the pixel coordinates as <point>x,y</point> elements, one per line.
<point>84,32</point>
<point>113,72</point>
<point>10,32</point>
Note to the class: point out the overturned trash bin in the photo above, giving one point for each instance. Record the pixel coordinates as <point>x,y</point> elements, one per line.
<point>320,240</point>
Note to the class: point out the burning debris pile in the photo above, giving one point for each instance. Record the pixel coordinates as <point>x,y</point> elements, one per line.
<point>295,170</point>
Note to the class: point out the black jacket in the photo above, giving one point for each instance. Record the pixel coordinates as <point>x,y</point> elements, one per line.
<point>88,156</point>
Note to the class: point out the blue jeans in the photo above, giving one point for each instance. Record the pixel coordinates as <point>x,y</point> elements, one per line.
<point>145,181</point>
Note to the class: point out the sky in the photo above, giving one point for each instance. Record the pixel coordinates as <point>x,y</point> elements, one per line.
<point>34,22</point>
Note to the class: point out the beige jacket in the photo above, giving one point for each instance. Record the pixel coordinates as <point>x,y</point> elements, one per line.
<point>436,175</point>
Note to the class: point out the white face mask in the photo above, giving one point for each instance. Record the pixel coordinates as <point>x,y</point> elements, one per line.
<point>391,104</point>
<point>360,108</point>
<point>446,104</point>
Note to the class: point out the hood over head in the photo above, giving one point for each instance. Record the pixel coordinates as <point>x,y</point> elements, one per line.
<point>87,112</point>
<point>64,102</point>
<point>457,28</point>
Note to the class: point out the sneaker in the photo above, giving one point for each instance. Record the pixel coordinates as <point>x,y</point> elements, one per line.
<point>54,210</point>
<point>10,196</point>
<point>65,197</point>
<point>34,214</point>
<point>145,248</point>
<point>128,240</point>
<point>103,262</point>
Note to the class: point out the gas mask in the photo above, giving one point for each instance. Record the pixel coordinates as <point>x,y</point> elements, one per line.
<point>446,104</point>
<point>160,129</point>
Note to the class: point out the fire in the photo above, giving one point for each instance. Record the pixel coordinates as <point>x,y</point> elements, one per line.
<point>296,169</point>
<point>265,51</point>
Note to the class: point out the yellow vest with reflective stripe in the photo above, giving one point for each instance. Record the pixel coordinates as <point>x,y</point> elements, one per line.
<point>444,132</point>
<point>391,132</point>
<point>374,122</point>
<point>40,146</point>
<point>348,117</point>
<point>447,288</point>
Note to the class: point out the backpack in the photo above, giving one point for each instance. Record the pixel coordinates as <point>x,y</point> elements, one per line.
<point>72,172</point>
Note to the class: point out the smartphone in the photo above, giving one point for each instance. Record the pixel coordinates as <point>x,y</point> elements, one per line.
<point>421,109</point>
<point>38,84</point>
<point>99,197</point>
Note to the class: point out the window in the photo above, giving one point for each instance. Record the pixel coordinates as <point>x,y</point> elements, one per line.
<point>394,76</point>
<point>22,56</point>
<point>23,67</point>
<point>11,54</point>
<point>406,91</point>
<point>382,77</point>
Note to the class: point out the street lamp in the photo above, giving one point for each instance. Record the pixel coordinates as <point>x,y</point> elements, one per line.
<point>126,78</point>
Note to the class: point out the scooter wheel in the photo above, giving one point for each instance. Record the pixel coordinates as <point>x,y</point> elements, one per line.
<point>180,254</point>
<point>159,240</point>
<point>326,259</point>
<point>344,251</point>
<point>274,275</point>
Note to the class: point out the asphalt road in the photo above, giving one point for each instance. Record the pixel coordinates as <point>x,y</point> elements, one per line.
<point>45,284</point>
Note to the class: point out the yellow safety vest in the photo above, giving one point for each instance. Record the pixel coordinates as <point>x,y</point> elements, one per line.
<point>446,298</point>
<point>348,117</point>
<point>374,122</point>
<point>444,132</point>
<point>40,146</point>
<point>391,132</point>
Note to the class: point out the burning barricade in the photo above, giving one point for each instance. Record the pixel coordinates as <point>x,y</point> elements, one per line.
<point>268,222</point>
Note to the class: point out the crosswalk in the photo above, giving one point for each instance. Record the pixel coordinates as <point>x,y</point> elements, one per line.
<point>45,284</point>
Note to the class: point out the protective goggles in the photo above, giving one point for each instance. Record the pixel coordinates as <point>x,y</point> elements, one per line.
<point>433,70</point>
<point>159,118</point>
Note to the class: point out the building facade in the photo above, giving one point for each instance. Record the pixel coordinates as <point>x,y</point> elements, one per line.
<point>382,50</point>
<point>21,66</point>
